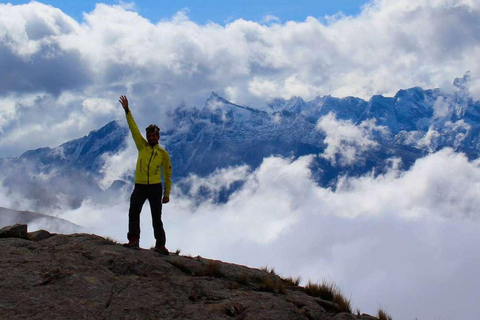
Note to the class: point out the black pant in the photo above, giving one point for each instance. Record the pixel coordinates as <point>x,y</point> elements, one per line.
<point>142,192</point>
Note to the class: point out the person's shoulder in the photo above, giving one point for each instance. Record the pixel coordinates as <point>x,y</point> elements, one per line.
<point>161,149</point>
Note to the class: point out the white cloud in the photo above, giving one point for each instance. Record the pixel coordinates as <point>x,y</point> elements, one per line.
<point>441,108</point>
<point>127,5</point>
<point>435,136</point>
<point>99,106</point>
<point>220,179</point>
<point>118,166</point>
<point>269,18</point>
<point>347,142</point>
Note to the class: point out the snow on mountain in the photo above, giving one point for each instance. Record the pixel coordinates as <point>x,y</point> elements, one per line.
<point>65,175</point>
<point>83,153</point>
<point>408,126</point>
<point>349,108</point>
<point>224,134</point>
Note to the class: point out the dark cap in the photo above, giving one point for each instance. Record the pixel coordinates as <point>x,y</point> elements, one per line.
<point>152,128</point>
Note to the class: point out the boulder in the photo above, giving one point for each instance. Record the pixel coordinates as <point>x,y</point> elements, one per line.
<point>39,235</point>
<point>15,231</point>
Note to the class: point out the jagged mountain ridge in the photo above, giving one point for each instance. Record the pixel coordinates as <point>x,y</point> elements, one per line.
<point>413,123</point>
<point>224,134</point>
<point>67,173</point>
<point>84,153</point>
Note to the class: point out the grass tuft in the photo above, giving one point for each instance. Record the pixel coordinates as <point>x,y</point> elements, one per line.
<point>293,282</point>
<point>383,315</point>
<point>269,270</point>
<point>324,290</point>
<point>111,240</point>
<point>330,292</point>
<point>267,283</point>
<point>344,303</point>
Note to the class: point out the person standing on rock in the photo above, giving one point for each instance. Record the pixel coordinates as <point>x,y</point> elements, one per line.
<point>152,162</point>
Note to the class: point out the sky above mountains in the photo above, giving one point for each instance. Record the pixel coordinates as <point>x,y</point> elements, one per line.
<point>62,77</point>
<point>216,11</point>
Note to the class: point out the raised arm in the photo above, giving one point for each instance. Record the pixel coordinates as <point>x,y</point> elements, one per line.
<point>140,141</point>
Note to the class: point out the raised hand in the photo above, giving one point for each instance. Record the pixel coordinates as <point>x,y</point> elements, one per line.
<point>124,101</point>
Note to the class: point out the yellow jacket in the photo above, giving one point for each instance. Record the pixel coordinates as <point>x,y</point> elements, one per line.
<point>152,162</point>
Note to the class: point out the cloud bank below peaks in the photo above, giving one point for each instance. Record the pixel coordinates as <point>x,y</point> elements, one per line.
<point>347,142</point>
<point>391,239</point>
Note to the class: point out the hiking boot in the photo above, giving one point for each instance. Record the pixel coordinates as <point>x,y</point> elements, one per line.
<point>132,244</point>
<point>162,250</point>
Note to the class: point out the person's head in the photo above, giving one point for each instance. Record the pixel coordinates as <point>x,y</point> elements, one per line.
<point>153,134</point>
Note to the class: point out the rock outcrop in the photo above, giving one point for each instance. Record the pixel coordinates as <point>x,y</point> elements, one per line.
<point>83,276</point>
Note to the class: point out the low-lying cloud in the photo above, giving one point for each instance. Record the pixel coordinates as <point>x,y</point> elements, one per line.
<point>405,241</point>
<point>346,142</point>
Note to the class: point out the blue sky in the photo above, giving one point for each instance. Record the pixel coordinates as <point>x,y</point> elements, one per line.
<point>218,11</point>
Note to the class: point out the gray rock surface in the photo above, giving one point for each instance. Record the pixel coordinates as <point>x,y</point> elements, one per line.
<point>84,276</point>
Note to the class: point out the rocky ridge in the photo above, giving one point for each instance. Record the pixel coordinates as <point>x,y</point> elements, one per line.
<point>84,276</point>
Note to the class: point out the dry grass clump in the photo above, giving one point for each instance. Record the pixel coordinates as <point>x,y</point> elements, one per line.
<point>292,282</point>
<point>111,240</point>
<point>330,292</point>
<point>269,270</point>
<point>324,290</point>
<point>383,315</point>
<point>269,284</point>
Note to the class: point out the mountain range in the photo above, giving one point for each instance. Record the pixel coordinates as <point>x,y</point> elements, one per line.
<point>347,136</point>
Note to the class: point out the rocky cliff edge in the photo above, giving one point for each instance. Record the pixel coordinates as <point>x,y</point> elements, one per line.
<point>84,276</point>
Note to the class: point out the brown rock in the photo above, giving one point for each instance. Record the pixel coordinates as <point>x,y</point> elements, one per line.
<point>88,277</point>
<point>39,235</point>
<point>15,231</point>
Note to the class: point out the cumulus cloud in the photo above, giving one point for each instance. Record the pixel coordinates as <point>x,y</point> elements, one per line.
<point>118,166</point>
<point>98,105</point>
<point>347,142</point>
<point>441,108</point>
<point>388,46</point>
<point>390,240</point>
